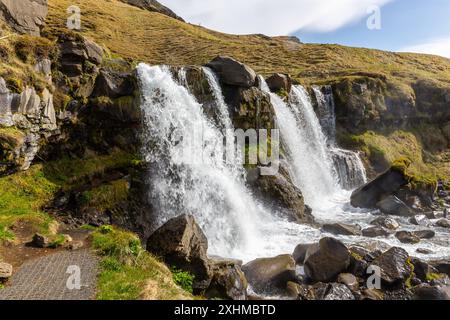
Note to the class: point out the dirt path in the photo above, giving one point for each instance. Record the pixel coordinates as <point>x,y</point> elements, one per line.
<point>55,277</point>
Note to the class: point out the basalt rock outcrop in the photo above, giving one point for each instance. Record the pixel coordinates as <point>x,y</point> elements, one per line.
<point>25,16</point>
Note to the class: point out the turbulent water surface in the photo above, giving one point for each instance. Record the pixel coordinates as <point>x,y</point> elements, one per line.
<point>188,172</point>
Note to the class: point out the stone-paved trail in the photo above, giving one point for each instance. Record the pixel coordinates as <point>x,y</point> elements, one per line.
<point>47,277</point>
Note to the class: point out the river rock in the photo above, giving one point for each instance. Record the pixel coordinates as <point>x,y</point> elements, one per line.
<point>228,281</point>
<point>372,294</point>
<point>407,237</point>
<point>5,270</point>
<point>327,261</point>
<point>342,229</point>
<point>427,292</point>
<point>270,275</point>
<point>394,206</point>
<point>443,223</point>
<point>424,234</point>
<point>180,242</point>
<point>373,192</point>
<point>349,280</point>
<point>393,265</point>
<point>301,250</point>
<point>420,220</point>
<point>25,16</point>
<point>374,232</point>
<point>442,266</point>
<point>232,72</point>
<point>279,82</point>
<point>424,251</point>
<point>40,241</point>
<point>333,291</point>
<point>422,269</point>
<point>386,222</point>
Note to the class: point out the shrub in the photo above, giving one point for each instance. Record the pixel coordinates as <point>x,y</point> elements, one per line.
<point>183,279</point>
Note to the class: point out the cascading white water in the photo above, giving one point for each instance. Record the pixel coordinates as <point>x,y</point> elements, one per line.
<point>306,146</point>
<point>349,167</point>
<point>189,175</point>
<point>326,111</point>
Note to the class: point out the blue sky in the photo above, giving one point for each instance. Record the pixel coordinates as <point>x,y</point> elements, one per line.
<point>406,25</point>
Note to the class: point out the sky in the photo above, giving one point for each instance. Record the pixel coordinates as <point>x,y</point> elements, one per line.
<point>421,26</point>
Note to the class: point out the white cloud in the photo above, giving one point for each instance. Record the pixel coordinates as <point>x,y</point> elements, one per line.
<point>272,17</point>
<point>440,47</point>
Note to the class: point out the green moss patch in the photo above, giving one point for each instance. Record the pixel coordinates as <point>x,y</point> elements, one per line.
<point>128,272</point>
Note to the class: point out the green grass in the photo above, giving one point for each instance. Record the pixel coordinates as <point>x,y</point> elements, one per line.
<point>183,279</point>
<point>23,194</point>
<point>128,272</point>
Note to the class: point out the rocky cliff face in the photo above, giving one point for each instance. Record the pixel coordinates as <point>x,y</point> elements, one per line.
<point>25,16</point>
<point>154,6</point>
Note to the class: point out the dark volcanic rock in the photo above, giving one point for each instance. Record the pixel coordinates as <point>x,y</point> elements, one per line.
<point>114,84</point>
<point>374,232</point>
<point>181,243</point>
<point>394,206</point>
<point>424,234</point>
<point>394,265</point>
<point>373,192</point>
<point>407,237</point>
<point>279,82</point>
<point>342,229</point>
<point>427,292</point>
<point>232,72</point>
<point>328,260</point>
<point>333,291</point>
<point>443,223</point>
<point>270,275</point>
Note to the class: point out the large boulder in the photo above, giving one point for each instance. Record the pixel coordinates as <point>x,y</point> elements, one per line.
<point>327,261</point>
<point>279,82</point>
<point>278,191</point>
<point>392,205</point>
<point>181,243</point>
<point>394,265</point>
<point>228,281</point>
<point>232,72</point>
<point>270,275</point>
<point>342,229</point>
<point>373,192</point>
<point>25,16</point>
<point>301,250</point>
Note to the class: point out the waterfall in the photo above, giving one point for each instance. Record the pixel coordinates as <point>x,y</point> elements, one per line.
<point>326,111</point>
<point>349,167</point>
<point>306,145</point>
<point>188,174</point>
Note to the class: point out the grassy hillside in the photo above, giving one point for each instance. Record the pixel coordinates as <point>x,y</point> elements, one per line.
<point>157,39</point>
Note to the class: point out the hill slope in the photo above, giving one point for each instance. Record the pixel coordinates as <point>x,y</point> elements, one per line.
<point>157,39</point>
